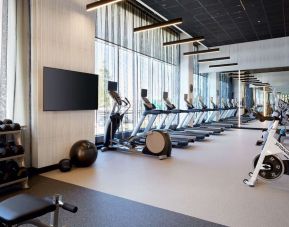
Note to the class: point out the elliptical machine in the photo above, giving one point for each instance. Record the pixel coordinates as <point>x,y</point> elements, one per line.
<point>157,143</point>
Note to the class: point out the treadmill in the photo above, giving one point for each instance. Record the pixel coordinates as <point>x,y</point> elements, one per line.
<point>206,114</point>
<point>150,109</point>
<point>197,116</point>
<point>213,116</point>
<point>168,119</point>
<point>179,128</point>
<point>229,116</point>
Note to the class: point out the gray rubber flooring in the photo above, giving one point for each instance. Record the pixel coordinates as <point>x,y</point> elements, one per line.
<point>100,209</point>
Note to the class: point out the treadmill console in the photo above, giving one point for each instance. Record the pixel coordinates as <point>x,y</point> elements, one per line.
<point>147,104</point>
<point>112,89</point>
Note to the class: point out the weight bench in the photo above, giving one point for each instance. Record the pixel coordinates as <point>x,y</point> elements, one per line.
<point>25,209</point>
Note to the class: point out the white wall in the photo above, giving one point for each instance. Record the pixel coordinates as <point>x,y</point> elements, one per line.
<point>62,37</point>
<point>279,80</point>
<point>251,55</point>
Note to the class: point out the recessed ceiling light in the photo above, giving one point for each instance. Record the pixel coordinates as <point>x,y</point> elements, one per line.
<point>259,21</point>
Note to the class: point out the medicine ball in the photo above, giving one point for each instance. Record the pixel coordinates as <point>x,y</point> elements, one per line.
<point>83,153</point>
<point>65,165</point>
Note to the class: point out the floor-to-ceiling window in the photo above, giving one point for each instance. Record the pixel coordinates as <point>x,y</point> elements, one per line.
<point>225,87</point>
<point>8,44</point>
<point>3,54</point>
<point>135,61</point>
<point>259,102</point>
<point>200,89</point>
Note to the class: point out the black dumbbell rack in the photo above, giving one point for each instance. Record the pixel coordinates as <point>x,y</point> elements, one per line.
<point>20,159</point>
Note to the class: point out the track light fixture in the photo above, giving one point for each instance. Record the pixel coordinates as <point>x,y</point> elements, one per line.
<point>223,65</point>
<point>94,5</point>
<point>159,25</point>
<point>183,41</point>
<point>202,52</point>
<point>213,59</point>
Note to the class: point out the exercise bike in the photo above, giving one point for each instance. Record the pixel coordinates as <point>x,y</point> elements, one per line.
<point>270,164</point>
<point>156,143</point>
<point>273,162</point>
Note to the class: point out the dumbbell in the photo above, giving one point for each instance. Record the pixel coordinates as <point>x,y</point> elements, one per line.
<point>2,150</point>
<point>2,171</point>
<point>13,149</point>
<point>15,126</point>
<point>1,122</point>
<point>5,128</point>
<point>7,121</point>
<point>11,170</point>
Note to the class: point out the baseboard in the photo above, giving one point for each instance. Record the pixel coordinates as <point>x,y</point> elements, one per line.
<point>36,171</point>
<point>258,129</point>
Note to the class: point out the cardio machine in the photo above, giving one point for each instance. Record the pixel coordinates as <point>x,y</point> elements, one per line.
<point>213,117</point>
<point>177,129</point>
<point>196,116</point>
<point>167,122</point>
<point>273,161</point>
<point>202,120</point>
<point>178,140</point>
<point>157,143</point>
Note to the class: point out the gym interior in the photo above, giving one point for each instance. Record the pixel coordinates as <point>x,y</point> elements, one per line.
<point>144,113</point>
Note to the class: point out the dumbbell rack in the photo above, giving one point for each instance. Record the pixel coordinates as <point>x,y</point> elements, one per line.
<point>19,158</point>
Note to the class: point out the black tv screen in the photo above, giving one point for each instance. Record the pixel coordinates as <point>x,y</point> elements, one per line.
<point>69,90</point>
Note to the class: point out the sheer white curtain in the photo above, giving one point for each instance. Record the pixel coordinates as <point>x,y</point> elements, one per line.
<point>224,87</point>
<point>201,89</point>
<point>15,65</point>
<point>3,56</point>
<point>135,61</point>
<point>14,76</point>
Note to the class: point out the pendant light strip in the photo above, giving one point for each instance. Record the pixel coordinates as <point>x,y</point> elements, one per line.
<point>202,52</point>
<point>223,65</point>
<point>159,25</point>
<point>213,59</point>
<point>183,41</point>
<point>95,5</point>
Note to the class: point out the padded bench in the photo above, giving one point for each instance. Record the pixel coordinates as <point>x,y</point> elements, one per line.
<point>24,207</point>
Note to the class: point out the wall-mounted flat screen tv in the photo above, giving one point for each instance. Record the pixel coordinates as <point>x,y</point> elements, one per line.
<point>65,90</point>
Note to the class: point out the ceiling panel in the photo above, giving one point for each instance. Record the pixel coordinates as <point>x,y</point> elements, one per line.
<point>227,21</point>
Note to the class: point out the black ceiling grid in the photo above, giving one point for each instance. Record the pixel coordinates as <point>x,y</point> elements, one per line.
<point>224,22</point>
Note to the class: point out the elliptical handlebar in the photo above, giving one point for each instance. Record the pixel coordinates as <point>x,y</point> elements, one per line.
<point>127,100</point>
<point>126,105</point>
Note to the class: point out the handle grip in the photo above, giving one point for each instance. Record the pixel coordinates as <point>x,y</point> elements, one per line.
<point>127,100</point>
<point>125,103</point>
<point>69,207</point>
